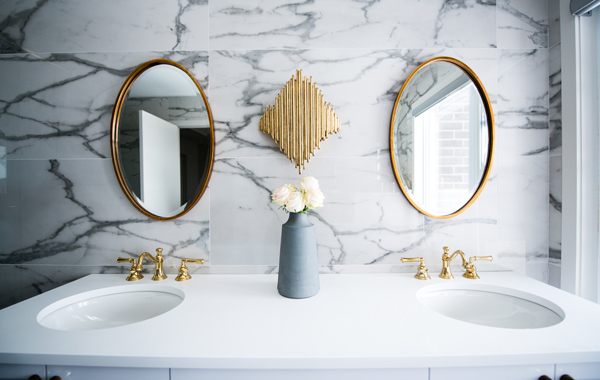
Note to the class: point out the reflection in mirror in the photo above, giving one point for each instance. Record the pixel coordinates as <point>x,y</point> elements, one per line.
<point>162,140</point>
<point>441,137</point>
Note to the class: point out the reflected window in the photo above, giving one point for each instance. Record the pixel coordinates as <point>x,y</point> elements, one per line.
<point>449,133</point>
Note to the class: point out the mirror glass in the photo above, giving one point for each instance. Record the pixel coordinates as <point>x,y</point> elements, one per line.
<point>442,137</point>
<point>162,139</point>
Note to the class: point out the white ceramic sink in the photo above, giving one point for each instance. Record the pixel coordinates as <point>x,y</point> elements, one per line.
<point>110,307</point>
<point>492,306</point>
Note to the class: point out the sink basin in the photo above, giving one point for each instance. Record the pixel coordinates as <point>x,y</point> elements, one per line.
<point>491,306</point>
<point>110,307</point>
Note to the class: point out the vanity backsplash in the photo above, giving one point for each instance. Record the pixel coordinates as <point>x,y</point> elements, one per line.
<point>63,214</point>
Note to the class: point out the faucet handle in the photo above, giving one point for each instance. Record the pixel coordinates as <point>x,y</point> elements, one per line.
<point>134,274</point>
<point>421,271</point>
<point>159,272</point>
<point>184,274</point>
<point>471,272</point>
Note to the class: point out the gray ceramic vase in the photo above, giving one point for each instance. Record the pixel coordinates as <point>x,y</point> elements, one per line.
<point>298,262</point>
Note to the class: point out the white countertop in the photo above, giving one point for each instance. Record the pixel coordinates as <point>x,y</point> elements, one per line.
<point>356,321</point>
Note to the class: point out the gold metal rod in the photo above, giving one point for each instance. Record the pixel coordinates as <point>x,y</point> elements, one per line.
<point>299,120</point>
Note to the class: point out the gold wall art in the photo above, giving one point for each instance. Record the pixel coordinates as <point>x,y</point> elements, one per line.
<point>300,120</point>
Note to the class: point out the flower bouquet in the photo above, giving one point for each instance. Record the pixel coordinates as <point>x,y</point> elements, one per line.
<point>292,199</point>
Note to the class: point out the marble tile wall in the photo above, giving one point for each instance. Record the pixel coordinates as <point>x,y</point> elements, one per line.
<point>62,63</point>
<point>555,190</point>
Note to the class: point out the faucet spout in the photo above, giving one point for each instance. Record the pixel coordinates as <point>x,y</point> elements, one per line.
<point>159,273</point>
<point>446,259</point>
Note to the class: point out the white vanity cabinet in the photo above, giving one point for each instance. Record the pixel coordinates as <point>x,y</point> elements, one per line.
<point>239,327</point>
<point>581,371</point>
<point>521,372</point>
<point>104,373</point>
<point>301,374</point>
<point>21,371</point>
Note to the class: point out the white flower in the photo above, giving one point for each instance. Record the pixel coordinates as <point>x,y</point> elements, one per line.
<point>314,198</point>
<point>281,195</point>
<point>291,199</point>
<point>295,202</point>
<point>309,184</point>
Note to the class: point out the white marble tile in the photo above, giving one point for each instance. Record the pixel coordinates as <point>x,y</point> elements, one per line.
<point>64,214</point>
<point>555,208</point>
<point>554,275</point>
<point>60,105</point>
<point>553,22</point>
<point>281,24</point>
<point>522,107</point>
<point>538,269</point>
<point>362,86</point>
<point>109,25</point>
<point>523,226</point>
<point>83,218</point>
<point>555,100</point>
<point>365,220</point>
<point>522,24</point>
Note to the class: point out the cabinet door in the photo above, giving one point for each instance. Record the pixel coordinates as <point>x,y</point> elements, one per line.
<point>21,372</point>
<point>300,374</point>
<point>104,373</point>
<point>525,372</point>
<point>581,371</point>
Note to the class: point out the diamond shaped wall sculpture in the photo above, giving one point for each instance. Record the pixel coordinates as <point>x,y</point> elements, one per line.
<point>300,120</point>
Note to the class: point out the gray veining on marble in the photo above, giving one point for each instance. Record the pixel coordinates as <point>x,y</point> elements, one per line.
<point>384,24</point>
<point>365,221</point>
<point>22,281</point>
<point>555,88</point>
<point>522,24</point>
<point>553,22</point>
<point>523,102</point>
<point>96,223</point>
<point>103,26</point>
<point>555,245</point>
<point>361,85</point>
<point>555,188</point>
<point>73,97</point>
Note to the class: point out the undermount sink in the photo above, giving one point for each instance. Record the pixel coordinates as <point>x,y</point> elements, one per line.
<point>110,307</point>
<point>491,306</point>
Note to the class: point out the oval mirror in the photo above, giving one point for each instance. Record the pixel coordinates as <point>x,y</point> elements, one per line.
<point>162,139</point>
<point>442,137</point>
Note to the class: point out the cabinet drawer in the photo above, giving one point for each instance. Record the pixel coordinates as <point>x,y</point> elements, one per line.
<point>104,373</point>
<point>300,374</point>
<point>525,372</point>
<point>581,371</point>
<point>21,371</point>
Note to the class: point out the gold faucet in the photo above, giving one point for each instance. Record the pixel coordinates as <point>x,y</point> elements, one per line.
<point>159,273</point>
<point>471,272</point>
<point>184,274</point>
<point>446,259</point>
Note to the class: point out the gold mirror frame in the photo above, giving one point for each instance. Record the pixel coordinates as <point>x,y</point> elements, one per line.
<point>491,130</point>
<point>114,138</point>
